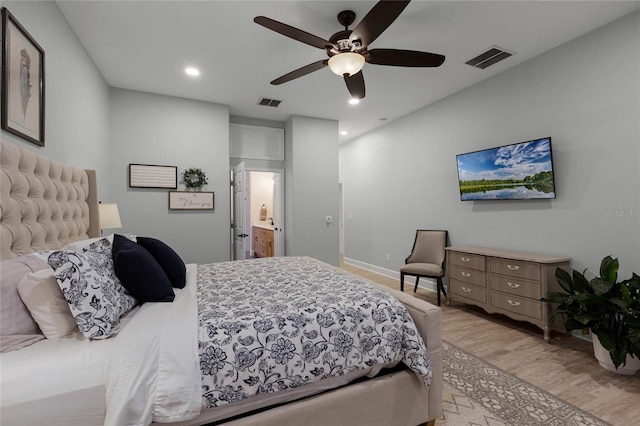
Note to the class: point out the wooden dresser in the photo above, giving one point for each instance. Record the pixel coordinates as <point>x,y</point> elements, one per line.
<point>262,241</point>
<point>504,281</point>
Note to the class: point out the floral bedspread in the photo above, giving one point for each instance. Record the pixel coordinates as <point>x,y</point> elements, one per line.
<point>268,325</point>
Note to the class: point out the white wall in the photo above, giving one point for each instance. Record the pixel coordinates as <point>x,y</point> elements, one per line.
<point>76,94</point>
<point>311,188</point>
<point>90,125</point>
<point>584,94</point>
<point>162,130</point>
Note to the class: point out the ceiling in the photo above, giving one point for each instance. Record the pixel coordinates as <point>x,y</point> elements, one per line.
<point>145,46</point>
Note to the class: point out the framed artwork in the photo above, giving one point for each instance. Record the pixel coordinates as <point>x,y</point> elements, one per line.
<point>22,82</point>
<point>190,200</point>
<point>151,176</point>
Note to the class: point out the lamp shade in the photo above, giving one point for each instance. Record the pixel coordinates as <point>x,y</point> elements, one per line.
<point>346,63</point>
<point>109,216</point>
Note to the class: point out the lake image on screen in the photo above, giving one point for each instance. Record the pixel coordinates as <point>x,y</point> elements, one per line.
<point>519,171</point>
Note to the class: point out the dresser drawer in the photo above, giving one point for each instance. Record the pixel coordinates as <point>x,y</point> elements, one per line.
<point>515,268</point>
<point>518,305</point>
<point>469,276</point>
<point>516,286</point>
<point>467,291</point>
<point>467,260</point>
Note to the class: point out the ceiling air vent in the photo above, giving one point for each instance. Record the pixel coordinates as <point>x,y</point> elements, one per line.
<point>488,58</point>
<point>269,102</point>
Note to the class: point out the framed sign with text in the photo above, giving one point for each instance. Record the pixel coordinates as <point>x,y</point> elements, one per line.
<point>190,200</point>
<point>151,176</point>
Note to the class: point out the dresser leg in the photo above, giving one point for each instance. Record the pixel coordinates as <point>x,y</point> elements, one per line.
<point>547,333</point>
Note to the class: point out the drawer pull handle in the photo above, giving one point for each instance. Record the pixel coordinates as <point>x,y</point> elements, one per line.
<point>465,259</point>
<point>513,267</point>
<point>512,303</point>
<point>465,274</point>
<point>512,285</point>
<point>466,290</point>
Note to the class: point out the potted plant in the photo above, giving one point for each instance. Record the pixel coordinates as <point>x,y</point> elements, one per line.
<point>608,307</point>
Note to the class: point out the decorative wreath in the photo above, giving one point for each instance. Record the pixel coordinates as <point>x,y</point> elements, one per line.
<point>194,178</point>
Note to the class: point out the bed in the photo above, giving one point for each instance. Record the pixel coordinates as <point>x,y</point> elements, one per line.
<point>244,342</point>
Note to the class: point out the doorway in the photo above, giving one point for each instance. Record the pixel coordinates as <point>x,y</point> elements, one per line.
<point>257,213</point>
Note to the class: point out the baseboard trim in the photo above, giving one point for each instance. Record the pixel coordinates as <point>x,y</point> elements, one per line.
<point>425,283</point>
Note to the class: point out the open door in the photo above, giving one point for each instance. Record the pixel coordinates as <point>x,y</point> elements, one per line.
<point>278,219</point>
<point>239,210</point>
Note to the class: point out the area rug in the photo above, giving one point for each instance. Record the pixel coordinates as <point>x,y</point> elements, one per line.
<point>478,393</point>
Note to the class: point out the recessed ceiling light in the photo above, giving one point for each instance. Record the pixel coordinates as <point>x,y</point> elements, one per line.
<point>344,133</point>
<point>354,101</point>
<point>192,72</point>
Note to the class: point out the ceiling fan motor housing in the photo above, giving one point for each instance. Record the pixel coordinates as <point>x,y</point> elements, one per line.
<point>341,40</point>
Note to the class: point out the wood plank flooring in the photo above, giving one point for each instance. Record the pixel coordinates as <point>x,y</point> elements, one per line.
<point>565,367</point>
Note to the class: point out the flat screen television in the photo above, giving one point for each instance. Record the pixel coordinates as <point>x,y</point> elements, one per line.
<point>521,171</point>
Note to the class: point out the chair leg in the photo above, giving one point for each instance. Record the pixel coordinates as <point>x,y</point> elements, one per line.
<point>401,281</point>
<point>440,288</point>
<point>416,287</point>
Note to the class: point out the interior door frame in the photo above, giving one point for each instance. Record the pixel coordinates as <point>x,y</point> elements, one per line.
<point>278,233</point>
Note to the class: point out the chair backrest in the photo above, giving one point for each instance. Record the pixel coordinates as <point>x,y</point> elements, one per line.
<point>428,247</point>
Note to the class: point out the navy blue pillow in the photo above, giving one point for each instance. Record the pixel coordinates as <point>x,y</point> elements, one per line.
<point>139,272</point>
<point>168,259</point>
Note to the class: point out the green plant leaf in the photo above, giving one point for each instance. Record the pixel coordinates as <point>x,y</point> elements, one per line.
<point>580,283</point>
<point>609,269</point>
<point>601,286</point>
<point>571,324</point>
<point>564,280</point>
<point>555,298</point>
<point>621,303</point>
<point>634,341</point>
<point>606,338</point>
<point>584,319</point>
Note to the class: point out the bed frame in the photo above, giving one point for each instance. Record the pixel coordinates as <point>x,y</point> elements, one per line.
<point>45,204</point>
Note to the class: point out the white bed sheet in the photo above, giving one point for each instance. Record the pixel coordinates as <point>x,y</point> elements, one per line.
<point>153,373</point>
<point>54,382</point>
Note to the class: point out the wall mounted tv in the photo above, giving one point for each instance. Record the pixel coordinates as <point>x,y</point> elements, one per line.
<point>521,171</point>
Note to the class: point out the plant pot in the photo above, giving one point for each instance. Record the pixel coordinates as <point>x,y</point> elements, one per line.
<point>604,359</point>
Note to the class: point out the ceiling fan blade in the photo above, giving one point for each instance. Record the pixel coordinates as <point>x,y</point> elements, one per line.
<point>293,32</point>
<point>377,20</point>
<point>355,84</point>
<point>307,69</point>
<point>403,58</point>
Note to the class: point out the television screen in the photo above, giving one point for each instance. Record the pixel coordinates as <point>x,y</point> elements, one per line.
<point>521,171</point>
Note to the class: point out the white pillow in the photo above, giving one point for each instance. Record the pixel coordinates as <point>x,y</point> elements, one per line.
<point>41,294</point>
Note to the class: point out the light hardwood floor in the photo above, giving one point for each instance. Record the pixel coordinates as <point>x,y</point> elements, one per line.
<point>565,367</point>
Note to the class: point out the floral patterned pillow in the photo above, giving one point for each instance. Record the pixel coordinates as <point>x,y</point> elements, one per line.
<point>104,244</point>
<point>94,293</point>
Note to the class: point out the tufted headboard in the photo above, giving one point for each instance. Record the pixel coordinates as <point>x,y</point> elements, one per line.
<point>44,204</point>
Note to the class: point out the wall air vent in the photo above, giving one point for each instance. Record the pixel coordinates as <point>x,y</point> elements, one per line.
<point>269,102</point>
<point>492,56</point>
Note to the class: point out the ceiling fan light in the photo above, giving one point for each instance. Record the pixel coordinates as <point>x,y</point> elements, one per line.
<point>348,63</point>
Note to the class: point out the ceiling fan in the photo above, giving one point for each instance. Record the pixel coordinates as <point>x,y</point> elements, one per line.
<point>348,50</point>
